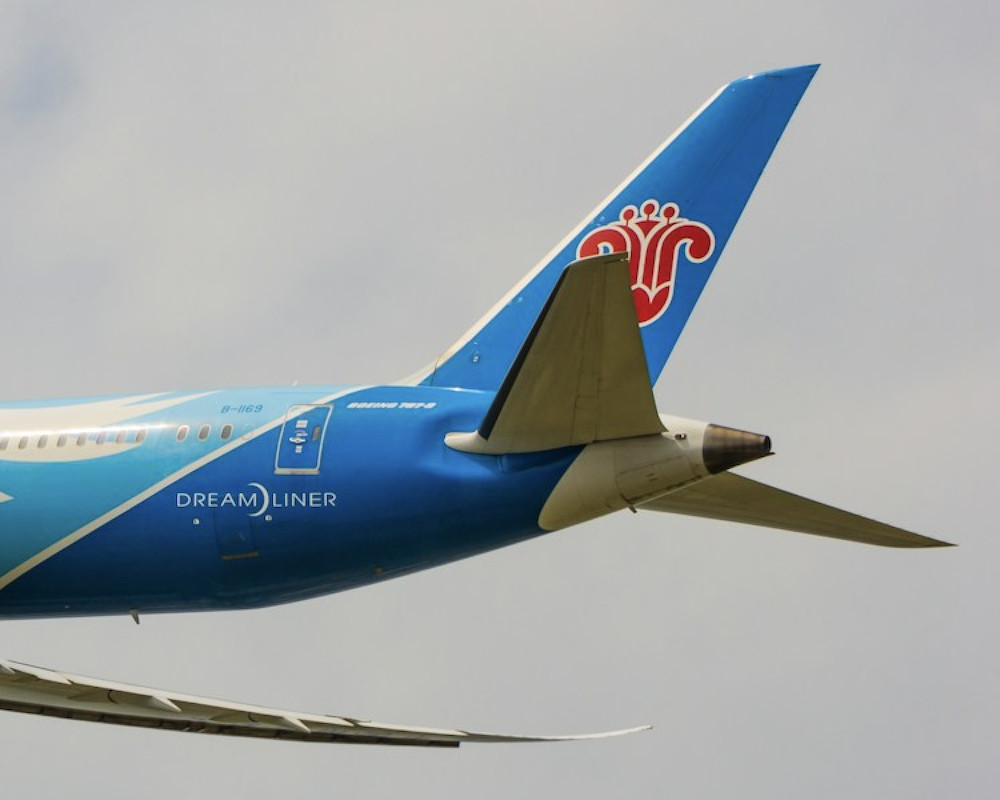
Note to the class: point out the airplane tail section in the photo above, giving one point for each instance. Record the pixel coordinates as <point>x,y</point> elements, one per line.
<point>672,218</point>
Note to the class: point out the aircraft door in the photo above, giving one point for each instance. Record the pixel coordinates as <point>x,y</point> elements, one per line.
<point>300,445</point>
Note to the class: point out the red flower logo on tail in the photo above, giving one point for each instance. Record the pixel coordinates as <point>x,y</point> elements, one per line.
<point>653,242</point>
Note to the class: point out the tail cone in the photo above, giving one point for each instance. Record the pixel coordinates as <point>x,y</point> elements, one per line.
<point>725,448</point>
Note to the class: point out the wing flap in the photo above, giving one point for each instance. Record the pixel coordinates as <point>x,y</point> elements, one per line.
<point>34,690</point>
<point>581,375</point>
<point>738,499</point>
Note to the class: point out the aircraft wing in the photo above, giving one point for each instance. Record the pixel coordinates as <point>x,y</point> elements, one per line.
<point>35,690</point>
<point>738,499</point>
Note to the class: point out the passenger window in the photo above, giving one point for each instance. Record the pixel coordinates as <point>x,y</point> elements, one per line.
<point>81,440</point>
<point>140,437</point>
<point>203,432</point>
<point>182,433</point>
<point>227,431</point>
<point>3,442</point>
<point>120,438</point>
<point>23,443</point>
<point>102,437</point>
<point>61,441</point>
<point>43,440</point>
<point>317,430</point>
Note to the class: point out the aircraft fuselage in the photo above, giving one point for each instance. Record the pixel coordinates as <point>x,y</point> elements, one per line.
<point>246,498</point>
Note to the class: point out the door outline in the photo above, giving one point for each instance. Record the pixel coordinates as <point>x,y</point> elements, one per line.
<point>316,414</point>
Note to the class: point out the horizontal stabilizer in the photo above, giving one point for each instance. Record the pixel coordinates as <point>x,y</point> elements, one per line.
<point>581,375</point>
<point>35,690</point>
<point>738,499</point>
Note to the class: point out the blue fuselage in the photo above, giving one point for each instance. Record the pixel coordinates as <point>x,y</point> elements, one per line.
<point>247,498</point>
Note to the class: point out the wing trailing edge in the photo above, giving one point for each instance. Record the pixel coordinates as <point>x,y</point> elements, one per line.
<point>737,499</point>
<point>35,690</point>
<point>581,374</point>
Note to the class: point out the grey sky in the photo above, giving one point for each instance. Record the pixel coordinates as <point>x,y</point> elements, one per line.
<point>196,195</point>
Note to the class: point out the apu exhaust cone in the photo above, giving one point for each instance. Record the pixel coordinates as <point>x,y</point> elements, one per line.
<point>724,448</point>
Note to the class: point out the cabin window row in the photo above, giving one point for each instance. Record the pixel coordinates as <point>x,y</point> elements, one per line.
<point>78,439</point>
<point>8,442</point>
<point>204,432</point>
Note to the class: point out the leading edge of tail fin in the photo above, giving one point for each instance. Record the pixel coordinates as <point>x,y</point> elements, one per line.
<point>673,216</point>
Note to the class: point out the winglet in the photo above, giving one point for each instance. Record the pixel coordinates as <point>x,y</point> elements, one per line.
<point>578,737</point>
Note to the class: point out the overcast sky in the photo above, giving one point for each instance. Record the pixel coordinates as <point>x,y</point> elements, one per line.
<point>198,195</point>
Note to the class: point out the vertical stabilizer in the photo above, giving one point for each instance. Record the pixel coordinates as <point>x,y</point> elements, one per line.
<point>673,216</point>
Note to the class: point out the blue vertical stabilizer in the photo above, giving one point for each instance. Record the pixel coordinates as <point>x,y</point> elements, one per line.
<point>673,216</point>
